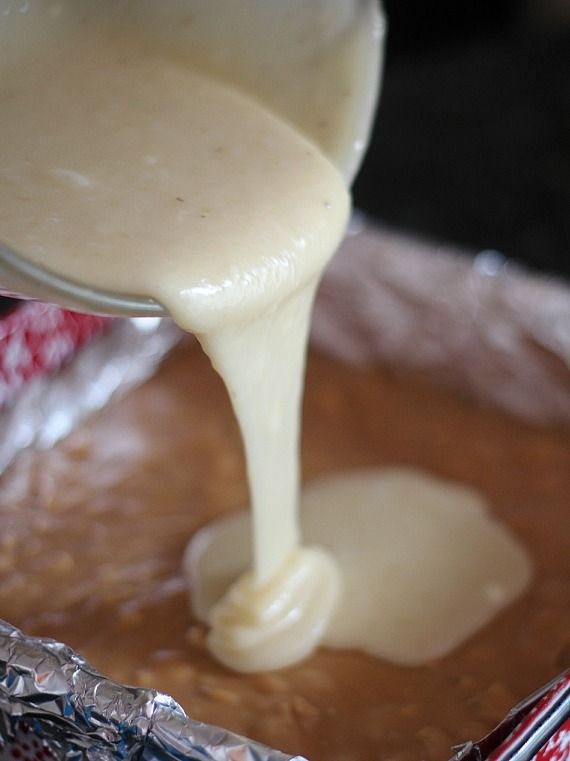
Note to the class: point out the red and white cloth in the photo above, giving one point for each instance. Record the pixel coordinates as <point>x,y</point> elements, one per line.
<point>538,729</point>
<point>550,718</point>
<point>558,747</point>
<point>38,339</point>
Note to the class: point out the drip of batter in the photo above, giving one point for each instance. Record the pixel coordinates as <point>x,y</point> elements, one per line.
<point>423,563</point>
<point>126,170</point>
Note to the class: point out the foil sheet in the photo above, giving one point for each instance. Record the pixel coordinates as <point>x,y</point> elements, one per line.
<point>48,408</point>
<point>480,325</point>
<point>79,714</point>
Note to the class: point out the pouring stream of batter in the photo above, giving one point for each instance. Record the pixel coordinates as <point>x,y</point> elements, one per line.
<point>124,168</point>
<point>127,170</point>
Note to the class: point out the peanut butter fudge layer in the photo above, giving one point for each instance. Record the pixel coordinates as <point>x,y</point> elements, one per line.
<point>92,535</point>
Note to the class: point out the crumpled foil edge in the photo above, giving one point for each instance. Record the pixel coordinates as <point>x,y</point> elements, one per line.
<point>50,407</point>
<point>483,326</point>
<point>81,715</point>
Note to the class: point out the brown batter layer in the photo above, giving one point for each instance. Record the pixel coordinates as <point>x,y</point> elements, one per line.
<point>92,534</point>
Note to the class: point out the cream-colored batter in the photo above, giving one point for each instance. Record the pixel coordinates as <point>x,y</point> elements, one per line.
<point>423,563</point>
<point>125,167</point>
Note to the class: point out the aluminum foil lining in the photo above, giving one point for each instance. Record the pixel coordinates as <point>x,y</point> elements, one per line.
<point>49,408</point>
<point>480,325</point>
<point>79,714</point>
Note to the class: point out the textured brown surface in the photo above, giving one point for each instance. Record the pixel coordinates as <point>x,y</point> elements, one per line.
<point>92,533</point>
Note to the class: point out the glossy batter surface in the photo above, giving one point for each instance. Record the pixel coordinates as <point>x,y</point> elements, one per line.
<point>92,534</point>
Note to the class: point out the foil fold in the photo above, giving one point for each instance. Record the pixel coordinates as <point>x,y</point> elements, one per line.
<point>51,690</point>
<point>50,407</point>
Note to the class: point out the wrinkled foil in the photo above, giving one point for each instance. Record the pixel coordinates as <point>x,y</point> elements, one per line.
<point>81,715</point>
<point>481,325</point>
<point>48,408</point>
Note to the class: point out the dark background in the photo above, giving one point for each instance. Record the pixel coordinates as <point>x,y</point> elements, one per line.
<point>472,140</point>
